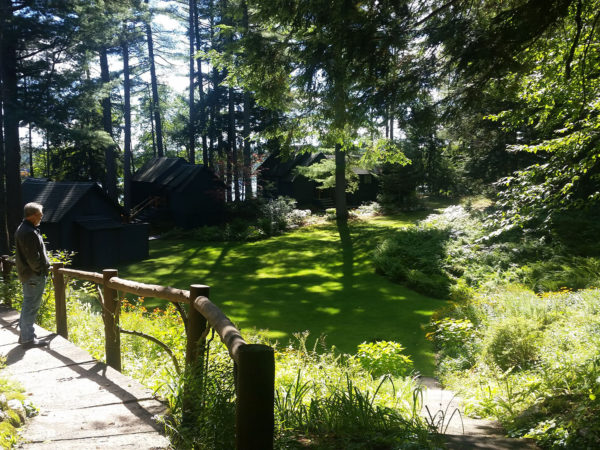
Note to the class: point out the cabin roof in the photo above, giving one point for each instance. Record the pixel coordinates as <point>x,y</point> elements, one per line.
<point>174,174</point>
<point>57,197</point>
<point>276,167</point>
<point>155,170</point>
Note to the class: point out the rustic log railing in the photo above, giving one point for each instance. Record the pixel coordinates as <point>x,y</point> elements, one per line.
<point>6,265</point>
<point>254,365</point>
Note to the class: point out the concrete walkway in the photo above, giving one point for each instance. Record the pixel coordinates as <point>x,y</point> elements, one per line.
<point>461,432</point>
<point>83,403</point>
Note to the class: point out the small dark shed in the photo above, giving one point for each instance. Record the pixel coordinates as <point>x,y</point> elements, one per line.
<point>80,217</point>
<point>278,176</point>
<point>191,193</point>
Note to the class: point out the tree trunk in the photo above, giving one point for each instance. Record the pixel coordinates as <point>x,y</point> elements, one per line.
<point>154,83</point>
<point>192,106</point>
<point>31,174</point>
<point>12,148</point>
<point>152,123</point>
<point>4,240</point>
<point>231,137</point>
<point>48,153</point>
<point>212,124</point>
<point>341,206</point>
<point>127,118</point>
<point>247,169</point>
<point>200,76</point>
<point>110,183</point>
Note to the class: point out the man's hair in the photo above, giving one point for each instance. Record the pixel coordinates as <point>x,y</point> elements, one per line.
<point>32,208</point>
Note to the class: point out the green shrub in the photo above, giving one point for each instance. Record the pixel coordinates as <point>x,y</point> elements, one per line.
<point>8,435</point>
<point>328,401</point>
<point>414,256</point>
<point>10,419</point>
<point>367,210</point>
<point>433,284</point>
<point>454,252</point>
<point>383,358</point>
<point>513,343</point>
<point>452,335</point>
<point>274,215</point>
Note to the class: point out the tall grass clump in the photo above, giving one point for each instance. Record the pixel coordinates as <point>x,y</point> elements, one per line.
<point>324,400</point>
<point>532,361</point>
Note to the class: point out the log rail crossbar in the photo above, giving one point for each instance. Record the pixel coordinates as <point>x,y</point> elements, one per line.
<point>254,364</point>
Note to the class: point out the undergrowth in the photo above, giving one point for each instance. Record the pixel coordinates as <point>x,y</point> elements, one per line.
<point>453,253</point>
<point>322,399</point>
<point>522,339</point>
<point>531,361</point>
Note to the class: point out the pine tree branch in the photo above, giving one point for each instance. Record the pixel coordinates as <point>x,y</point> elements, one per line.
<point>436,12</point>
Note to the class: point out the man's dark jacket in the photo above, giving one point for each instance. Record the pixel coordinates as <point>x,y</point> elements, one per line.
<point>30,251</point>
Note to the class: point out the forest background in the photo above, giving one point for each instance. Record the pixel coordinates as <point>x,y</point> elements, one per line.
<point>493,97</point>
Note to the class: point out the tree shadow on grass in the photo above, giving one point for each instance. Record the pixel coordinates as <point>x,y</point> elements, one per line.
<point>347,254</point>
<point>320,279</point>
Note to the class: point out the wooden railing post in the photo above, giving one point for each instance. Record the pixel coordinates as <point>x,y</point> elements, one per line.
<point>6,268</point>
<point>196,327</point>
<point>255,387</point>
<point>110,314</point>
<point>196,324</point>
<point>60,300</point>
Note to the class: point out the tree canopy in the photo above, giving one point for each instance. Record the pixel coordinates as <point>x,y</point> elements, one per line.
<point>493,96</point>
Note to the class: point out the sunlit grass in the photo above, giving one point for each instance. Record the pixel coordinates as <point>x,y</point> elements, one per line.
<point>303,280</point>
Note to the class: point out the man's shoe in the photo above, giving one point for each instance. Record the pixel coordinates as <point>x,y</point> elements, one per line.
<point>34,343</point>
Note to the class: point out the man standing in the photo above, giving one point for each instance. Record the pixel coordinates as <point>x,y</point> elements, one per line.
<point>32,268</point>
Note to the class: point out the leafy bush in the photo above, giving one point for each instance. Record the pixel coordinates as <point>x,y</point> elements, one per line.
<point>453,253</point>
<point>513,342</point>
<point>274,215</point>
<point>561,271</point>
<point>399,184</point>
<point>452,335</point>
<point>383,358</point>
<point>330,213</point>
<point>367,210</point>
<point>14,409</point>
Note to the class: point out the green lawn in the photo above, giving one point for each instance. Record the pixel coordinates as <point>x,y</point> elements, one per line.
<point>317,279</point>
